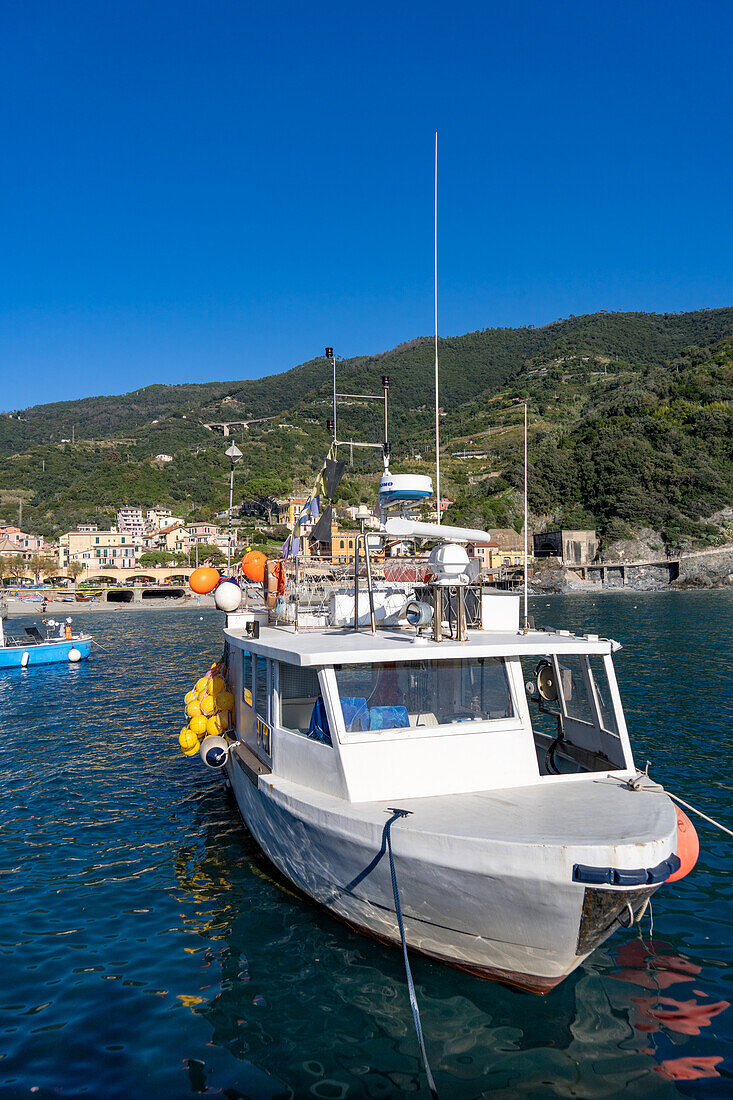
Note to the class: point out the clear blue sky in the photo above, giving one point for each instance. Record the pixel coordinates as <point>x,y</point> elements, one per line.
<point>198,191</point>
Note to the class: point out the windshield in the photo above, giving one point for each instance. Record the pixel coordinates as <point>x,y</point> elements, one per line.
<point>411,694</point>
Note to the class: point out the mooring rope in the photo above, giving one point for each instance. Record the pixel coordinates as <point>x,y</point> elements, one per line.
<point>396,814</point>
<point>694,810</point>
<point>636,785</point>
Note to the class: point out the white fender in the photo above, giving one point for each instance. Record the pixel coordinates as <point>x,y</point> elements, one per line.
<point>25,659</point>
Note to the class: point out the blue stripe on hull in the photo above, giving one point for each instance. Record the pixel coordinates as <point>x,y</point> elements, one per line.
<point>49,653</point>
<point>394,495</point>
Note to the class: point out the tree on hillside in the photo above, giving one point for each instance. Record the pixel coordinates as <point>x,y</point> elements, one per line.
<point>74,570</point>
<point>14,565</point>
<point>152,558</point>
<point>41,565</point>
<point>207,555</point>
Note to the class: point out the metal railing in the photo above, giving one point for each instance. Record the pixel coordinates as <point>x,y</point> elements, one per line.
<point>324,591</point>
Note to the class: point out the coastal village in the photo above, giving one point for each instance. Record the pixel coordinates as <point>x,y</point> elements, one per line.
<point>152,545</point>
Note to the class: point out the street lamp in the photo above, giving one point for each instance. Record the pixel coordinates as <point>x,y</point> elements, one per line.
<point>234,454</point>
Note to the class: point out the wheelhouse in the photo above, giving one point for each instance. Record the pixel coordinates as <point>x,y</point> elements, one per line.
<point>397,719</point>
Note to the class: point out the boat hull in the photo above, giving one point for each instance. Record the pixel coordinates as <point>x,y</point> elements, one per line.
<point>44,653</point>
<point>515,924</point>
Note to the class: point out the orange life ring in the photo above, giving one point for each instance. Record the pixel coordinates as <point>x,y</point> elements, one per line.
<point>688,846</point>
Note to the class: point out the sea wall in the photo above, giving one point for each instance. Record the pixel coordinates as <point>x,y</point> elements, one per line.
<point>712,569</point>
<point>708,571</point>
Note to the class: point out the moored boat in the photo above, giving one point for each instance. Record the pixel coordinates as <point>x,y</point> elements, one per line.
<point>495,752</point>
<point>37,648</point>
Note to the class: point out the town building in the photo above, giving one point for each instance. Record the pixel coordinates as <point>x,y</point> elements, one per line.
<point>353,511</point>
<point>97,550</point>
<point>342,545</point>
<point>21,541</point>
<point>158,517</point>
<point>130,520</point>
<point>181,539</point>
<point>207,534</point>
<point>571,547</point>
<point>486,553</point>
<point>173,538</point>
<point>492,555</point>
<point>8,550</point>
<point>433,512</point>
<point>288,511</point>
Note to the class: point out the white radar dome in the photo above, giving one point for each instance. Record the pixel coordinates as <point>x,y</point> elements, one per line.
<point>449,561</point>
<point>402,488</point>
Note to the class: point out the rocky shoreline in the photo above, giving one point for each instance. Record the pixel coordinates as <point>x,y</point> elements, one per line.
<point>698,571</point>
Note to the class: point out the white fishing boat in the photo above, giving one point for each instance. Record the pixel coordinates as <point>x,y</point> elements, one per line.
<point>522,849</point>
<point>413,757</point>
<point>406,704</point>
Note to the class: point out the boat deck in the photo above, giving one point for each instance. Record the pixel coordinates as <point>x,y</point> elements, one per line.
<point>585,814</point>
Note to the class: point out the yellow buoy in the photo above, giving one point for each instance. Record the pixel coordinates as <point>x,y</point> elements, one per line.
<point>225,700</point>
<point>198,725</point>
<point>216,685</point>
<point>188,741</point>
<point>189,696</point>
<point>207,703</point>
<point>193,708</point>
<point>216,725</point>
<point>202,684</point>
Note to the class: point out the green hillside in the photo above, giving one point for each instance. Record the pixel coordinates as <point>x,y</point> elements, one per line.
<point>588,381</point>
<point>470,365</point>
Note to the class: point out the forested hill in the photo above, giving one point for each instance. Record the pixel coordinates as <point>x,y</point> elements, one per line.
<point>470,365</point>
<point>630,423</point>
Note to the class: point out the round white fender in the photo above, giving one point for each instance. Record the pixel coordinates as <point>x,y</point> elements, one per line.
<point>74,655</point>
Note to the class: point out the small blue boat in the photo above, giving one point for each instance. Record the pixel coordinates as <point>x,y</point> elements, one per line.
<point>36,649</point>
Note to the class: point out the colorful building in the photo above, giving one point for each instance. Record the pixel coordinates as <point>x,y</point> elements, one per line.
<point>21,541</point>
<point>97,550</point>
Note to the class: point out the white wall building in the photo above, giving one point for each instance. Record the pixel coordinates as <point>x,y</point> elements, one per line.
<point>130,520</point>
<point>157,518</point>
<point>97,550</point>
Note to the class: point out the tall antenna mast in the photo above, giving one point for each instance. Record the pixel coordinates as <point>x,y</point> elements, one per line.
<point>526,569</point>
<point>435,295</point>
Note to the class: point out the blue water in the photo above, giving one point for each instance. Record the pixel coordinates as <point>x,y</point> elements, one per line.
<point>148,950</point>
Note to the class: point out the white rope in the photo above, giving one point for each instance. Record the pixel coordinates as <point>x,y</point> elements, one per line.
<point>700,813</point>
<point>637,786</point>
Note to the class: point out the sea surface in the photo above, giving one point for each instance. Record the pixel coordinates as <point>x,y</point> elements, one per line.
<point>148,950</point>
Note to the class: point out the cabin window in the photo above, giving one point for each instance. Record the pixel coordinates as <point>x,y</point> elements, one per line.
<point>260,687</point>
<point>299,690</point>
<point>571,733</point>
<point>603,693</point>
<point>247,677</point>
<point>574,688</point>
<point>418,694</point>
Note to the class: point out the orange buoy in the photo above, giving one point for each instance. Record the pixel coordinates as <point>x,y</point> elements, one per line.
<point>204,580</point>
<point>253,565</point>
<point>688,846</point>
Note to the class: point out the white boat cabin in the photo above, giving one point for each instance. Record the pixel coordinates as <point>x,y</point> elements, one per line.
<point>372,718</point>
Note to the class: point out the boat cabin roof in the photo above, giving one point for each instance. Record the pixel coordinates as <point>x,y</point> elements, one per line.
<point>348,646</point>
